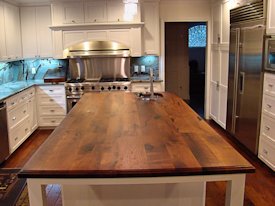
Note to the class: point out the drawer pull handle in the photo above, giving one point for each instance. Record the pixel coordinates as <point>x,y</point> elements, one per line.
<point>51,100</point>
<point>14,118</point>
<point>267,128</point>
<point>269,105</point>
<point>270,85</point>
<point>24,111</point>
<point>265,152</point>
<point>16,138</point>
<point>52,110</point>
<point>26,129</point>
<point>51,90</point>
<point>13,103</point>
<point>53,121</point>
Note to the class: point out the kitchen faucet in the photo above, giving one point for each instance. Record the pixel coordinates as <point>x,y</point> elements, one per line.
<point>151,83</point>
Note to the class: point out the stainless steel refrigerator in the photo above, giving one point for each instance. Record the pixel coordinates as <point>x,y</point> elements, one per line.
<point>247,30</point>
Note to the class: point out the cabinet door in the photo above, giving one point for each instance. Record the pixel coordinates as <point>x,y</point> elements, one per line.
<point>3,52</point>
<point>115,10</point>
<point>151,28</point>
<point>12,31</point>
<point>44,34</point>
<point>225,21</point>
<point>32,114</point>
<point>95,11</point>
<point>28,28</point>
<point>73,12</point>
<point>270,29</point>
<point>215,83</point>
<point>216,23</point>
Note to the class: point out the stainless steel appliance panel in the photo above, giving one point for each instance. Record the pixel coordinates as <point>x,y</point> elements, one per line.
<point>245,82</point>
<point>249,86</point>
<point>92,69</point>
<point>232,79</point>
<point>71,102</point>
<point>4,141</point>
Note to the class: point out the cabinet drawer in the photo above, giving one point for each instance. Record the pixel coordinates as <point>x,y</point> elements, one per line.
<point>268,127</point>
<point>50,121</point>
<point>269,105</point>
<point>53,100</point>
<point>48,110</point>
<point>17,114</point>
<point>49,90</point>
<point>18,134</point>
<point>12,102</point>
<point>269,84</point>
<point>30,92</point>
<point>267,151</point>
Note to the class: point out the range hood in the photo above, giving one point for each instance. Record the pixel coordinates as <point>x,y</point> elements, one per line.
<point>97,49</point>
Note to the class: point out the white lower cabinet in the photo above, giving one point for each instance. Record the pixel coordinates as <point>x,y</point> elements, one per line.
<point>51,102</point>
<point>145,87</point>
<point>267,134</point>
<point>20,115</point>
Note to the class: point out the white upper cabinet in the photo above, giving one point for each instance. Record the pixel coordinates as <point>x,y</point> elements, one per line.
<point>12,32</point>
<point>73,12</point>
<point>91,11</point>
<point>115,11</point>
<point>221,22</point>
<point>150,16</point>
<point>270,28</point>
<point>95,11</point>
<point>36,35</point>
<point>3,51</point>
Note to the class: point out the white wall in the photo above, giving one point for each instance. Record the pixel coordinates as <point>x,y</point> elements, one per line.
<point>187,11</point>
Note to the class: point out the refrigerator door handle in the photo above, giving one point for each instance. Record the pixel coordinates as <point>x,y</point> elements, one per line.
<point>242,79</point>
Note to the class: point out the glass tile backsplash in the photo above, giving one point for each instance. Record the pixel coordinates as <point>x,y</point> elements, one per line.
<point>33,69</point>
<point>140,67</point>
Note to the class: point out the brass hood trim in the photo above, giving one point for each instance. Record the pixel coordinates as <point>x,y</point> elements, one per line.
<point>97,49</point>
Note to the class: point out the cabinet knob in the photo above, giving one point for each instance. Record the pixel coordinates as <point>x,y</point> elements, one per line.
<point>14,118</point>
<point>270,85</point>
<point>118,19</point>
<point>51,90</point>
<point>94,20</point>
<point>24,111</point>
<point>265,152</point>
<point>53,121</point>
<point>73,21</point>
<point>267,128</point>
<point>269,105</point>
<point>15,139</point>
<point>26,129</point>
<point>52,110</point>
<point>51,100</point>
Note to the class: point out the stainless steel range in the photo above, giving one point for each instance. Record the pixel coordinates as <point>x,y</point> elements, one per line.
<point>97,66</point>
<point>76,88</point>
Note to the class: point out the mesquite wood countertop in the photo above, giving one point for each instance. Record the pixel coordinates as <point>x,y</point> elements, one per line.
<point>119,135</point>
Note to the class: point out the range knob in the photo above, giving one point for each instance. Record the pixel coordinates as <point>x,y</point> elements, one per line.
<point>114,87</point>
<point>93,87</point>
<point>76,89</point>
<point>125,87</point>
<point>70,89</point>
<point>118,88</point>
<point>102,88</point>
<point>109,88</point>
<point>82,88</point>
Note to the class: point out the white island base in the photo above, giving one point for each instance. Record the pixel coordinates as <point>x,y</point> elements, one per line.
<point>147,191</point>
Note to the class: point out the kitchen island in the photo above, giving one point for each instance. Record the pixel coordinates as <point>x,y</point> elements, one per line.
<point>117,149</point>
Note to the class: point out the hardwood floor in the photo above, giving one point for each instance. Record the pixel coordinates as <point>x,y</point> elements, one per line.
<point>259,190</point>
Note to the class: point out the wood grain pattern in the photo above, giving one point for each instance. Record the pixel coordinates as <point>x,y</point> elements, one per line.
<point>118,135</point>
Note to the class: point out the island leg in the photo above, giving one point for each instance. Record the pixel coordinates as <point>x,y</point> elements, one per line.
<point>235,191</point>
<point>35,192</point>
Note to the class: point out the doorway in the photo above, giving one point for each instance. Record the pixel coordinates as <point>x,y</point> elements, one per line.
<point>185,52</point>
